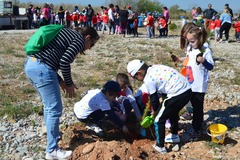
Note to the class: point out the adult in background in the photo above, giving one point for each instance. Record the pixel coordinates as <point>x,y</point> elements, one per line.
<point>30,12</point>
<point>41,69</point>
<point>61,13</point>
<point>226,24</point>
<point>130,21</point>
<point>229,9</point>
<point>208,14</point>
<point>194,10</point>
<point>111,23</point>
<point>167,18</point>
<point>89,13</point>
<point>45,15</point>
<point>123,19</point>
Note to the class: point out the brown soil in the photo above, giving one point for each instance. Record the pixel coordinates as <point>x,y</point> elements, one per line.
<point>115,145</point>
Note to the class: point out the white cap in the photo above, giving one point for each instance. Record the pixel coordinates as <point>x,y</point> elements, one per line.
<point>133,66</point>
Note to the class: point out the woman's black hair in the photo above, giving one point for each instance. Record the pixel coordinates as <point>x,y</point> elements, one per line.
<point>88,31</point>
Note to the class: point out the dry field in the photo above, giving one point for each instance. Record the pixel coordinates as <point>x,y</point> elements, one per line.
<point>108,57</point>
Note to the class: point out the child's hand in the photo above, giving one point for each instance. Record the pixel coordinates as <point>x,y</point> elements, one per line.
<point>200,58</point>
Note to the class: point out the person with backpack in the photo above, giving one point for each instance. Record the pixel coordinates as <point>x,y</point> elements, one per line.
<point>89,14</point>
<point>42,66</point>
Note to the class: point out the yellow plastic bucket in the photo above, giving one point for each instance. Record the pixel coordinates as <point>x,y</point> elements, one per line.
<point>217,132</point>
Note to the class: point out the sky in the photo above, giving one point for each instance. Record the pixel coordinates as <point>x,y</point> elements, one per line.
<point>183,4</point>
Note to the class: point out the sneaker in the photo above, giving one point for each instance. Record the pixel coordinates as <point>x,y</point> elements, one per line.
<point>58,154</point>
<point>95,128</point>
<point>220,41</point>
<point>160,149</point>
<point>186,116</point>
<point>172,138</point>
<point>143,132</point>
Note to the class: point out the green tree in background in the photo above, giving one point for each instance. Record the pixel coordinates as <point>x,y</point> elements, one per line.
<point>148,5</point>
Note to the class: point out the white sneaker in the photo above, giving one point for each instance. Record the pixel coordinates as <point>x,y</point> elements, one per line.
<point>172,138</point>
<point>160,149</point>
<point>58,154</point>
<point>95,128</point>
<point>220,41</point>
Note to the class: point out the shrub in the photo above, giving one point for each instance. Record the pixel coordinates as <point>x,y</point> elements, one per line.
<point>172,26</point>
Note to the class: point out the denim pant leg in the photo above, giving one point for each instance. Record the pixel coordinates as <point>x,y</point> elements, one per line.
<point>46,83</point>
<point>148,31</point>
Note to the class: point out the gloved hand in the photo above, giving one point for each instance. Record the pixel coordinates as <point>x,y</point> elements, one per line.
<point>174,58</point>
<point>199,58</point>
<point>125,129</point>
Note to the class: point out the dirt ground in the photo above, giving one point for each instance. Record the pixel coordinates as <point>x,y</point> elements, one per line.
<point>115,145</point>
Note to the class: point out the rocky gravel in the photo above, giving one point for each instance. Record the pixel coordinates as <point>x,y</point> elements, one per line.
<point>25,139</point>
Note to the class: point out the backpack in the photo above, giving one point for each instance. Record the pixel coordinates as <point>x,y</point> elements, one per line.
<point>41,38</point>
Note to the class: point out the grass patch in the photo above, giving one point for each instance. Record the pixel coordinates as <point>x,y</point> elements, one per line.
<point>17,111</point>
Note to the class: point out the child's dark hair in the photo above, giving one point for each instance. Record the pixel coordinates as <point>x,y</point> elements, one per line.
<point>199,33</point>
<point>122,77</point>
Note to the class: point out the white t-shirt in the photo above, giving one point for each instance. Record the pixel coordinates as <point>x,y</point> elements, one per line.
<point>198,75</point>
<point>164,79</point>
<point>92,101</point>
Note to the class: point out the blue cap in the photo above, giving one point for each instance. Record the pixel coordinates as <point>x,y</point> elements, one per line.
<point>149,13</point>
<point>112,86</point>
<point>213,18</point>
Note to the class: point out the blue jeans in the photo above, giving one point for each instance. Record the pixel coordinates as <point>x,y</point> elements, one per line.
<point>45,80</point>
<point>149,31</point>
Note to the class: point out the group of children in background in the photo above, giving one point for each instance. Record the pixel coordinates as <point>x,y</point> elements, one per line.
<point>215,25</point>
<point>116,99</point>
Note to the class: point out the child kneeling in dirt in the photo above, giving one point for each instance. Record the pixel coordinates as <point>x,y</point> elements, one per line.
<point>95,104</point>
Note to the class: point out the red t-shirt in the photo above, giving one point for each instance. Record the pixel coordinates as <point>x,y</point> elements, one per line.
<point>237,26</point>
<point>75,17</point>
<point>162,22</point>
<point>98,18</point>
<point>84,18</point>
<point>212,25</point>
<point>150,21</point>
<point>68,17</point>
<point>218,23</point>
<point>94,20</point>
<point>81,18</point>
<point>105,18</point>
<point>136,23</point>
